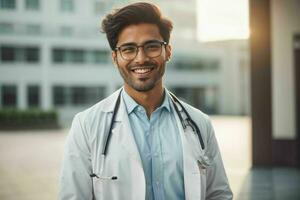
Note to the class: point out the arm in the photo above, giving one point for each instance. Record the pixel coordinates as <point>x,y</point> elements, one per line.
<point>75,182</point>
<point>217,182</point>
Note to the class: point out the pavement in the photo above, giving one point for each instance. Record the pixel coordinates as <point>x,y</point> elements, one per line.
<point>30,164</point>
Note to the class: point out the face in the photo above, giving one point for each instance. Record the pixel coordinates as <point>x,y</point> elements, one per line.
<point>141,73</point>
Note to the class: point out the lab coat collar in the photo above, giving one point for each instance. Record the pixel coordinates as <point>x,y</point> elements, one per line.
<point>192,180</point>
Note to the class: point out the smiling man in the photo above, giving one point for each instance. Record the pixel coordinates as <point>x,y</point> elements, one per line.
<point>142,142</point>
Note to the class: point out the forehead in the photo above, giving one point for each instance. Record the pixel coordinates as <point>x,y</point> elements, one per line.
<point>139,33</point>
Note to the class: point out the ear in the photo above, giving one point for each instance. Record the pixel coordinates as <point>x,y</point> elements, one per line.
<point>168,52</point>
<point>114,57</point>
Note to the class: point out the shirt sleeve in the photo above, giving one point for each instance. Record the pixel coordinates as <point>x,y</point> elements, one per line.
<point>75,182</point>
<point>217,183</point>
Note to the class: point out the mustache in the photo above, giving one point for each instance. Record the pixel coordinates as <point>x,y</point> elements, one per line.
<point>147,64</point>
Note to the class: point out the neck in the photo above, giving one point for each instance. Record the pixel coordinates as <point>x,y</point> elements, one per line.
<point>150,100</point>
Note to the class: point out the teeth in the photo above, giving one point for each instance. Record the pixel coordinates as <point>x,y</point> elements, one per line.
<point>142,70</point>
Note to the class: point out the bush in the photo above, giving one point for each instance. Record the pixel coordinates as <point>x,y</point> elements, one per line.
<point>27,119</point>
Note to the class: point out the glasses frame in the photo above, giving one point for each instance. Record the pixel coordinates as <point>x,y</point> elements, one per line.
<point>143,46</point>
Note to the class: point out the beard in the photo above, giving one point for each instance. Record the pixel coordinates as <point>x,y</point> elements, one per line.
<point>142,84</point>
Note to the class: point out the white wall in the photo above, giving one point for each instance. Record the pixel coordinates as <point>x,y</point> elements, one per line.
<point>285,23</point>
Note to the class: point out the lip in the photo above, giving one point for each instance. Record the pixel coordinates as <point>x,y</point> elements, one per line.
<point>141,72</point>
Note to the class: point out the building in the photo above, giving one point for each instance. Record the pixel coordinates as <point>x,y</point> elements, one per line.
<point>53,56</point>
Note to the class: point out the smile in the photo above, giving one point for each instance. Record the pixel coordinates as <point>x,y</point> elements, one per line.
<point>142,70</point>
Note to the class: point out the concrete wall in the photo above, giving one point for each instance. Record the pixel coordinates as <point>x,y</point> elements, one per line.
<point>285,23</point>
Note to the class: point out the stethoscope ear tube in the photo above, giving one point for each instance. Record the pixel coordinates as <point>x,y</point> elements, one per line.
<point>175,100</point>
<point>191,122</point>
<point>108,135</point>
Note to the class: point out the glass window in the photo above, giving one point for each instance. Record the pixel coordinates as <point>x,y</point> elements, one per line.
<point>203,98</point>
<point>100,56</point>
<point>8,4</point>
<point>86,95</point>
<point>32,4</point>
<point>20,54</point>
<point>32,54</point>
<point>9,95</point>
<point>8,54</point>
<point>6,28</point>
<point>58,55</point>
<point>77,56</point>
<point>33,96</point>
<point>67,5</point>
<point>78,95</point>
<point>59,95</point>
<point>95,94</point>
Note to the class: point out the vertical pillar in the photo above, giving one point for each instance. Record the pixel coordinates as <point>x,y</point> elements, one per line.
<point>297,92</point>
<point>261,102</point>
<point>21,96</point>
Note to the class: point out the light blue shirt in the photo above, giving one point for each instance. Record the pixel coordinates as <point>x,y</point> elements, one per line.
<point>160,149</point>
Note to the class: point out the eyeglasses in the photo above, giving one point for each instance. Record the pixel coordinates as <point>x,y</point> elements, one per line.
<point>151,49</point>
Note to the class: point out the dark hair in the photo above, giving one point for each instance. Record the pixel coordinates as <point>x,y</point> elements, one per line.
<point>135,13</point>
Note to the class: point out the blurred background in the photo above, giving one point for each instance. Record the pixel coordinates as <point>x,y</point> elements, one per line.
<point>236,60</point>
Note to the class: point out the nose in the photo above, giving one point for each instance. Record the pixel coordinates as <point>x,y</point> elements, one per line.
<point>140,56</point>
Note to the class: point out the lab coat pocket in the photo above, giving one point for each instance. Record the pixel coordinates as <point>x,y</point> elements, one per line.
<point>106,187</point>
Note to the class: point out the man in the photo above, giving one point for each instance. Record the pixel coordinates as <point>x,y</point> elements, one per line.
<point>142,142</point>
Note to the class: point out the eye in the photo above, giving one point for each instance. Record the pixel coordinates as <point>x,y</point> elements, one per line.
<point>128,49</point>
<point>153,46</point>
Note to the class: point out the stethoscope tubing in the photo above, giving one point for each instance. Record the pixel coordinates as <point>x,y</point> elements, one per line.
<point>175,100</point>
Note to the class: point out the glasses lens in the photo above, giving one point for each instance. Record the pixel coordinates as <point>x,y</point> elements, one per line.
<point>128,52</point>
<point>152,49</point>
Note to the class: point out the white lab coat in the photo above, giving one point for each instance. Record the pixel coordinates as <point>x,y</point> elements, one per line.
<point>83,156</point>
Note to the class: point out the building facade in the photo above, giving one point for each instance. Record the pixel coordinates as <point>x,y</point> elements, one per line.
<point>53,56</point>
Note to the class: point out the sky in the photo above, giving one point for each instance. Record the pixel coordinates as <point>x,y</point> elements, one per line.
<point>222,20</point>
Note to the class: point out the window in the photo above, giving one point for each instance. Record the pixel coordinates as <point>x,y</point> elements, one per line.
<point>59,95</point>
<point>8,54</point>
<point>77,56</point>
<point>6,28</point>
<point>77,95</point>
<point>58,55</point>
<point>32,54</point>
<point>33,96</point>
<point>203,98</point>
<point>196,64</point>
<point>100,56</point>
<point>7,4</point>
<point>32,4</point>
<point>9,95</point>
<point>20,54</point>
<point>67,5</point>
<point>86,95</point>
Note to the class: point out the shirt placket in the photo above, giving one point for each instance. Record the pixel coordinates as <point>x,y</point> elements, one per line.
<point>155,149</point>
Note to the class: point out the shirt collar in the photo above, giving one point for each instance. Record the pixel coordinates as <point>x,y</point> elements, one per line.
<point>131,104</point>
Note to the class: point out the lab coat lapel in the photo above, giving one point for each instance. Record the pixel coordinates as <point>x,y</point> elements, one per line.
<point>192,178</point>
<point>123,129</point>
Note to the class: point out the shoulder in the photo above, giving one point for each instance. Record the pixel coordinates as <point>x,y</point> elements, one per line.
<point>93,114</point>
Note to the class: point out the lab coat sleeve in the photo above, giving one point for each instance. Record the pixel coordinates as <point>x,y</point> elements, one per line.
<point>75,182</point>
<point>217,183</point>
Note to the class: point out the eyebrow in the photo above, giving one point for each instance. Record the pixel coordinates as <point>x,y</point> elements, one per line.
<point>133,43</point>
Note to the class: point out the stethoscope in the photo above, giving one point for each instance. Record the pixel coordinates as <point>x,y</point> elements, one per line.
<point>188,121</point>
